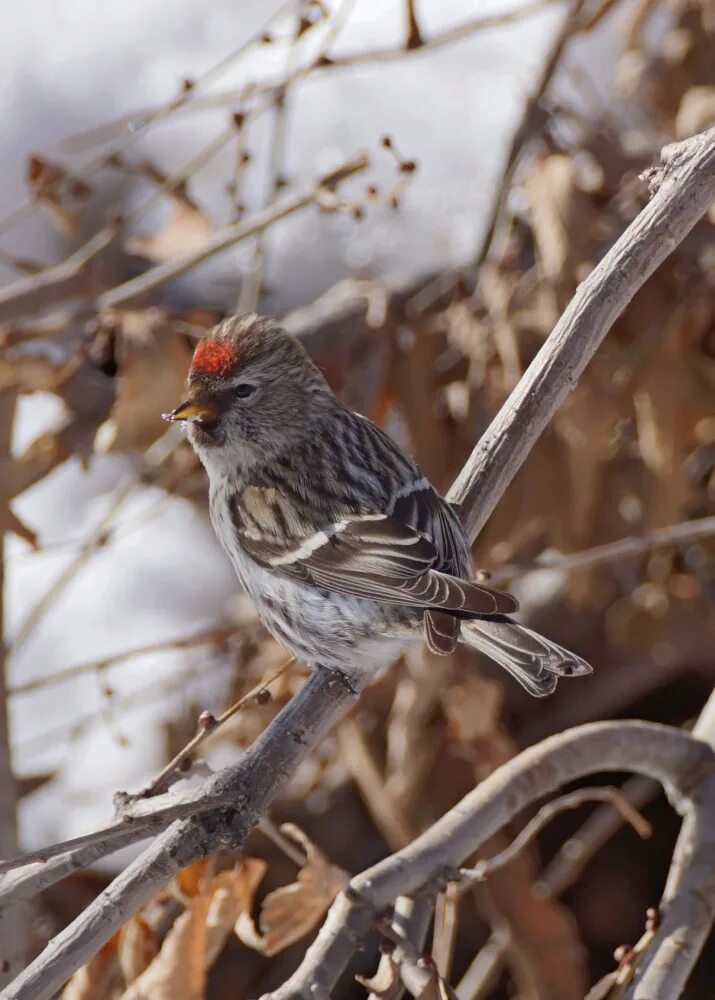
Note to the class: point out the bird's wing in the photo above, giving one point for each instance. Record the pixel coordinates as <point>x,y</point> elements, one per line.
<point>378,530</point>
<point>373,556</point>
<point>424,510</point>
<point>413,501</point>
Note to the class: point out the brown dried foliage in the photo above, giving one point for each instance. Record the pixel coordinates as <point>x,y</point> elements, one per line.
<point>632,449</point>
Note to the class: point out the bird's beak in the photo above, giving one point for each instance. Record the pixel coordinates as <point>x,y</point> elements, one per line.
<point>197,408</point>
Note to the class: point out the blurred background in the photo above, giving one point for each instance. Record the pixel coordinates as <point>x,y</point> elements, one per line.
<point>166,164</point>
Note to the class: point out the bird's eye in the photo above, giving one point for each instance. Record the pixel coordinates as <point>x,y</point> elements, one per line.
<point>244,389</point>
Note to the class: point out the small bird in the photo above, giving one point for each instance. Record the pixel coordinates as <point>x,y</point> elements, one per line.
<point>345,548</point>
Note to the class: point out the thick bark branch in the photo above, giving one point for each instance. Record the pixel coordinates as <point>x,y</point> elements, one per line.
<point>683,764</point>
<point>253,781</point>
<point>685,194</point>
<point>688,903</point>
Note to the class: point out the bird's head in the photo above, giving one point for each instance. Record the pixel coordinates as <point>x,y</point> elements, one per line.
<point>252,390</point>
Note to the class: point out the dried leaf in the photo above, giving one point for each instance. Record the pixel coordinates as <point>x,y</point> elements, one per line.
<point>28,372</point>
<point>41,456</point>
<point>95,979</point>
<point>293,910</point>
<point>386,981</point>
<point>192,880</point>
<point>232,894</point>
<point>87,395</point>
<point>546,954</point>
<point>473,708</point>
<point>563,218</point>
<point>10,522</point>
<point>187,230</point>
<point>26,784</point>
<point>153,362</point>
<point>54,187</point>
<point>497,288</point>
<point>137,948</point>
<point>671,392</point>
<point>587,426</point>
<point>696,112</point>
<point>179,970</point>
<point>195,940</point>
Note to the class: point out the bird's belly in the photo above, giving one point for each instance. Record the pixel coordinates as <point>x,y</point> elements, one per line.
<point>320,627</point>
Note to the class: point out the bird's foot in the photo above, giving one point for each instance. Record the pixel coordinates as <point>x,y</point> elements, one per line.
<point>342,678</point>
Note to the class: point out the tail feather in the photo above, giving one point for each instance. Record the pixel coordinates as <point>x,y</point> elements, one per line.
<point>535,662</point>
<point>441,632</point>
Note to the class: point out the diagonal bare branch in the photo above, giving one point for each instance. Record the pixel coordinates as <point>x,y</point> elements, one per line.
<point>683,763</point>
<point>622,549</point>
<point>228,236</point>
<point>685,193</point>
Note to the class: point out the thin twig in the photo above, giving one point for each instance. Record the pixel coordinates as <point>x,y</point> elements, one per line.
<point>179,177</point>
<point>135,126</point>
<point>250,291</point>
<point>482,22</point>
<point>13,923</point>
<point>154,456</point>
<point>362,57</point>
<point>529,123</point>
<point>137,823</point>
<point>572,800</point>
<point>272,833</point>
<point>409,925</point>
<point>384,808</point>
<point>414,37</point>
<point>208,725</point>
<point>214,634</point>
<point>137,816</point>
<point>227,236</point>
<point>121,495</point>
<point>573,856</point>
<point>48,737</point>
<point>70,277</point>
<point>625,548</point>
<point>561,873</point>
<point>62,281</point>
<point>251,782</point>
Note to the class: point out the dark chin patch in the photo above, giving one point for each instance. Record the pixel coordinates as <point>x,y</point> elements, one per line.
<point>207,433</point>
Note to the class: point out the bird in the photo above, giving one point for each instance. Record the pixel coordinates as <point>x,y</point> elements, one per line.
<point>347,551</point>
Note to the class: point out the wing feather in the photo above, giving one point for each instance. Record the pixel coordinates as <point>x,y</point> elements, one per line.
<point>378,558</point>
<point>381,533</point>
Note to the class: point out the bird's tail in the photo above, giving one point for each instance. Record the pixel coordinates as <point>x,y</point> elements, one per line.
<point>536,662</point>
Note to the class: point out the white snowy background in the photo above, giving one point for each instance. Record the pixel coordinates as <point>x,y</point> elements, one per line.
<point>66,67</point>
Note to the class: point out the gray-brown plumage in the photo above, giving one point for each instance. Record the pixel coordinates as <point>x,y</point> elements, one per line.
<point>346,549</point>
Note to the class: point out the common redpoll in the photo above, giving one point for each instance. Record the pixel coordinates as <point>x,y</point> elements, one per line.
<point>345,548</point>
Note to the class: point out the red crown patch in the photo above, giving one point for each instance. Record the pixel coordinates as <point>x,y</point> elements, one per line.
<point>215,357</point>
